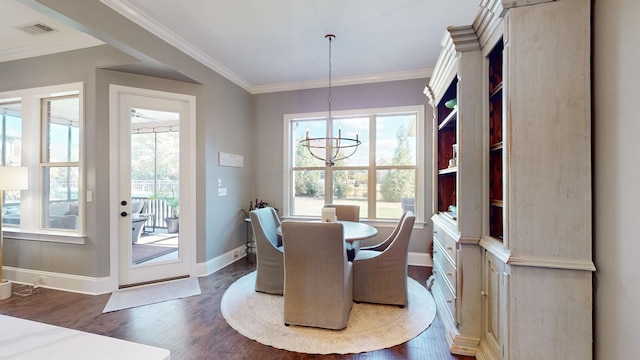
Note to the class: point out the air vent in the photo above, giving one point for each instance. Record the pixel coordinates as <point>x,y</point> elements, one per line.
<point>36,28</point>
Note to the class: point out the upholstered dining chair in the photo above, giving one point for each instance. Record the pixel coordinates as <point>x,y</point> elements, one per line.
<point>381,276</point>
<point>384,244</point>
<point>318,279</point>
<point>269,256</point>
<point>348,213</point>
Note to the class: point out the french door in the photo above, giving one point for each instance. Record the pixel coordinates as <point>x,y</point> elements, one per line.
<point>152,174</point>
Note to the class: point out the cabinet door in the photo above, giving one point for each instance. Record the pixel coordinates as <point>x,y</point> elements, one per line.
<point>493,303</point>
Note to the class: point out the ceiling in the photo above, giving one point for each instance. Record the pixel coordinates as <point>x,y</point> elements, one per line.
<point>272,45</point>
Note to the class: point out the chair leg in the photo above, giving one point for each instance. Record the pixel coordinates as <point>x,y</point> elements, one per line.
<point>351,254</point>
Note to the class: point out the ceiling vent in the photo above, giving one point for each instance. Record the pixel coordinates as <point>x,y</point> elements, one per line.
<point>36,28</point>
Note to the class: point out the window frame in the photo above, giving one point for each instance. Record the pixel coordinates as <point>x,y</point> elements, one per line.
<point>290,145</point>
<point>33,141</point>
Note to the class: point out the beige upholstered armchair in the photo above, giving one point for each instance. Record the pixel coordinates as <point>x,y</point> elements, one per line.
<point>269,258</point>
<point>318,286</point>
<point>381,276</point>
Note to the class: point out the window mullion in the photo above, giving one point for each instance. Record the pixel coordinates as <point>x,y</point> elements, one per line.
<point>328,171</point>
<point>372,178</point>
<point>350,177</point>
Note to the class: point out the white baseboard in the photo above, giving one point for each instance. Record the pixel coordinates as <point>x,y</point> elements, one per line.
<point>58,281</point>
<point>219,262</point>
<point>103,285</point>
<point>420,259</point>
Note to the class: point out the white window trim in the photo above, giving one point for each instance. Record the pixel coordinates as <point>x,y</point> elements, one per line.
<point>30,199</point>
<point>420,154</point>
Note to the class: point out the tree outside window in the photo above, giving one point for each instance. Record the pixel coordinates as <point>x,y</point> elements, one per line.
<point>380,177</point>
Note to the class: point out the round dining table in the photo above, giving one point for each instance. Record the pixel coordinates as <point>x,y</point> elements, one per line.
<point>353,233</point>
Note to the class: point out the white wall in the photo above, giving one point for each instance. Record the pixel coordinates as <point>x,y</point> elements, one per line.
<point>616,178</point>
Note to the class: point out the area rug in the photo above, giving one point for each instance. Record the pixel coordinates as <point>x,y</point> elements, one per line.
<point>152,293</point>
<point>258,316</point>
<point>142,252</point>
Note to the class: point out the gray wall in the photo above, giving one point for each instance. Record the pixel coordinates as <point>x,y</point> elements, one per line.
<point>90,259</point>
<point>223,124</point>
<point>98,168</point>
<point>616,178</point>
<point>223,120</point>
<point>268,111</point>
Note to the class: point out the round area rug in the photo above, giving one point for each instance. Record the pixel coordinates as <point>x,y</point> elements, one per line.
<point>258,316</point>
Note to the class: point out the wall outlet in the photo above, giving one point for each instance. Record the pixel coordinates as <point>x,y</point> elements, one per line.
<point>42,280</point>
<point>235,254</point>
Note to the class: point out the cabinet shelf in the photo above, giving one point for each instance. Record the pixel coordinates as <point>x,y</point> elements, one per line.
<point>495,90</point>
<point>450,120</point>
<point>451,170</point>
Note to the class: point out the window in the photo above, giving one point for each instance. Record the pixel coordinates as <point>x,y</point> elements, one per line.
<point>45,121</point>
<point>60,161</point>
<point>11,152</point>
<point>383,175</point>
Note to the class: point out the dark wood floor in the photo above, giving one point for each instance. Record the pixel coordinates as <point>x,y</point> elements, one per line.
<point>194,328</point>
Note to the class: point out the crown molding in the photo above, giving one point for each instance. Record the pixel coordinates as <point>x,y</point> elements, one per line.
<point>456,40</point>
<point>126,9</point>
<point>352,80</point>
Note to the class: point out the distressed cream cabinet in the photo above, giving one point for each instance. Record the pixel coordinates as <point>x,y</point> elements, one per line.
<point>520,246</point>
<point>457,187</point>
<point>537,230</point>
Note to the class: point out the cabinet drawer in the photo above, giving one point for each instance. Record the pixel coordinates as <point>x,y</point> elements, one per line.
<point>449,298</point>
<point>447,242</point>
<point>446,265</point>
<point>438,235</point>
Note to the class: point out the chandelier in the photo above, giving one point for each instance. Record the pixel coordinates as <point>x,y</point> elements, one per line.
<point>331,149</point>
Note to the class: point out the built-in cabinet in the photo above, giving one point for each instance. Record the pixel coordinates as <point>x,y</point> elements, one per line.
<point>513,265</point>
<point>454,93</point>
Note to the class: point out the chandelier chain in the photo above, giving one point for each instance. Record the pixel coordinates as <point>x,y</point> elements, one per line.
<point>330,37</point>
<point>333,148</point>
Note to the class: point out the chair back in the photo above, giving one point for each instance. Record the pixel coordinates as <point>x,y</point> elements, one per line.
<point>384,244</point>
<point>346,212</point>
<point>314,247</point>
<point>264,222</point>
<point>399,246</point>
<point>318,280</point>
<point>269,257</point>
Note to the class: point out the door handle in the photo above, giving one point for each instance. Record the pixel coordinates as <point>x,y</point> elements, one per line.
<point>123,203</point>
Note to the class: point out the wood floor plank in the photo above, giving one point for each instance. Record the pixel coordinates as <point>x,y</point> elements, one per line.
<point>194,328</point>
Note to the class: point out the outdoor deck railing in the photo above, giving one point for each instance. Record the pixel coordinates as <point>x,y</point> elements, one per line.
<point>158,210</point>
